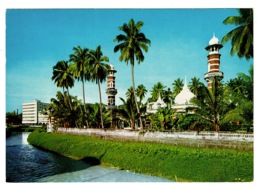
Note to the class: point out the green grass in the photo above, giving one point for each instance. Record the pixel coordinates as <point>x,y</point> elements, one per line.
<point>172,162</point>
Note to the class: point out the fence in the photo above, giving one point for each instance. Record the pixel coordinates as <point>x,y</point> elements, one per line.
<point>200,139</point>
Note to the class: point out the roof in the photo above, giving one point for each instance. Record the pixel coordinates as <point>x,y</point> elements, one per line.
<point>184,96</point>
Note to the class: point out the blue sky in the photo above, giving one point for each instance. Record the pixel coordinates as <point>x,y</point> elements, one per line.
<point>37,39</point>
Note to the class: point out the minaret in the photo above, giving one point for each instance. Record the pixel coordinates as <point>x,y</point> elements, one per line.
<point>111,90</point>
<point>213,61</point>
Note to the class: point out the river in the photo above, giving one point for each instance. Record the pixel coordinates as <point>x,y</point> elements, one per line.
<point>25,163</point>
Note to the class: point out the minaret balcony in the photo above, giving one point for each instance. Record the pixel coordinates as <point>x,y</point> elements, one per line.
<point>111,107</point>
<point>111,91</point>
<point>209,75</point>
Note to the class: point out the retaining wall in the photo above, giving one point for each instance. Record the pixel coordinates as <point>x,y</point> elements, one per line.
<point>201,139</point>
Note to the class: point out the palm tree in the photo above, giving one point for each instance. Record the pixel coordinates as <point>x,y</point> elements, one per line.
<point>249,82</point>
<point>177,86</point>
<point>94,115</point>
<point>240,99</point>
<point>168,97</point>
<point>141,92</point>
<point>129,93</point>
<point>157,89</point>
<point>63,77</point>
<point>131,46</point>
<point>242,36</point>
<point>211,104</point>
<point>195,85</point>
<point>127,112</point>
<point>80,64</point>
<point>99,71</point>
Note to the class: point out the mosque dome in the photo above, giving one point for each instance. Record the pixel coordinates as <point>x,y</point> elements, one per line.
<point>184,96</point>
<point>213,40</point>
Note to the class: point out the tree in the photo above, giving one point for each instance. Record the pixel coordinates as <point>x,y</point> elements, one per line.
<point>249,83</point>
<point>239,98</point>
<point>130,94</point>
<point>141,92</point>
<point>63,77</point>
<point>94,115</point>
<point>157,89</point>
<point>177,86</point>
<point>59,109</point>
<point>81,70</point>
<point>195,85</point>
<point>211,104</point>
<point>131,46</point>
<point>165,117</point>
<point>127,112</point>
<point>168,97</point>
<point>99,71</point>
<point>242,36</point>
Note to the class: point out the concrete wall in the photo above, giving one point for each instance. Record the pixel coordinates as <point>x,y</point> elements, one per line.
<point>201,139</point>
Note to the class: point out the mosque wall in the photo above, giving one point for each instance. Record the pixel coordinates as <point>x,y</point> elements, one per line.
<point>202,139</point>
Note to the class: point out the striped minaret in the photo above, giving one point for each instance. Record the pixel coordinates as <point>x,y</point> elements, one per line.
<point>213,61</point>
<point>111,90</point>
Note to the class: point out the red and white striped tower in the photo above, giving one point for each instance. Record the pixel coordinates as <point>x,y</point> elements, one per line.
<point>213,61</point>
<point>111,94</point>
<point>111,90</point>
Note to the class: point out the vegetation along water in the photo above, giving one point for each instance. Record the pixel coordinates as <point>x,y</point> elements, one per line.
<point>168,161</point>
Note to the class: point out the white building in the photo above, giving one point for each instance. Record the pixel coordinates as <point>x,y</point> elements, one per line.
<point>31,112</point>
<point>152,107</point>
<point>183,100</point>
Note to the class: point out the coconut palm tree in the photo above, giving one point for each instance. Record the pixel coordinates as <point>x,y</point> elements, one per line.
<point>141,91</point>
<point>211,104</point>
<point>94,115</point>
<point>129,94</point>
<point>240,99</point>
<point>242,36</point>
<point>62,113</point>
<point>127,112</point>
<point>99,71</point>
<point>132,42</point>
<point>177,86</point>
<point>157,89</point>
<point>168,97</point>
<point>249,82</point>
<point>63,77</point>
<point>194,85</point>
<point>81,71</point>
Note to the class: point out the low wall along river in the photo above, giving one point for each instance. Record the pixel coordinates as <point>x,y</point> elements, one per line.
<point>201,139</point>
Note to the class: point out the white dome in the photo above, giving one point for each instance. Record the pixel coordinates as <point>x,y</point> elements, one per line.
<point>184,96</point>
<point>111,67</point>
<point>213,40</point>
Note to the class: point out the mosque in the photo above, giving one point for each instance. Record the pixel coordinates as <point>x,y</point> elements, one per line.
<point>183,99</point>
<point>182,102</point>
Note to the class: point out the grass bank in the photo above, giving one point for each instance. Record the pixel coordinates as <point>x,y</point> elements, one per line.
<point>10,129</point>
<point>173,162</point>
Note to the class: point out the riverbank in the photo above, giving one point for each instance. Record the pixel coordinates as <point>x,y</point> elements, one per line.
<point>177,163</point>
<point>25,128</point>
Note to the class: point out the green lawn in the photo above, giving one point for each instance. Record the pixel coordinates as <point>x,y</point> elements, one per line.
<point>165,160</point>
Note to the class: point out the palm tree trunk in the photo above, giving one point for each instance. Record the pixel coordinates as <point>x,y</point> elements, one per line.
<point>100,100</point>
<point>69,99</point>
<point>85,111</point>
<point>136,103</point>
